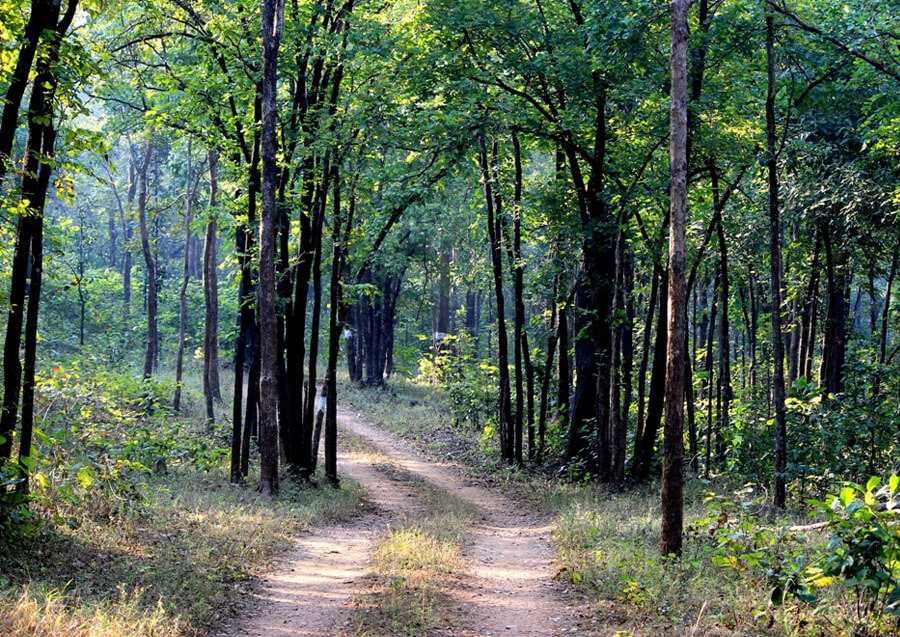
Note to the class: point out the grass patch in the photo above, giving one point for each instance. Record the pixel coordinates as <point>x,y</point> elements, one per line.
<point>135,530</point>
<point>171,566</point>
<point>412,565</point>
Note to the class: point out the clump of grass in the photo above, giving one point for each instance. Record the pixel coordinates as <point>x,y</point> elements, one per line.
<point>411,566</point>
<point>608,544</point>
<point>46,614</point>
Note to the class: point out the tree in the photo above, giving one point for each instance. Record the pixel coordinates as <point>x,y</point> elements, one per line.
<point>778,392</point>
<point>152,342</point>
<point>272,28</point>
<point>672,497</point>
<point>211,386</point>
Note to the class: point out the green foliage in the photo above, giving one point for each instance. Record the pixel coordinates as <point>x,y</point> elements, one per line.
<point>102,434</point>
<point>856,548</point>
<point>864,550</point>
<point>469,383</point>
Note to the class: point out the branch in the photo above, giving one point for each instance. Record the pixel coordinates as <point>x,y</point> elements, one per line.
<point>800,24</point>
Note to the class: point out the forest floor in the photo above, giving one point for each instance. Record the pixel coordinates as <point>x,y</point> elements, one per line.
<point>430,535</point>
<point>438,554</point>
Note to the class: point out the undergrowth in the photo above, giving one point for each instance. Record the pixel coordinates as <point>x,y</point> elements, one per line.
<point>132,527</point>
<point>827,567</point>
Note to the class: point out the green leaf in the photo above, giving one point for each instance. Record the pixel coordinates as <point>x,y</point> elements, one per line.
<point>873,483</point>
<point>847,495</point>
<point>85,477</point>
<point>28,462</point>
<point>41,481</point>
<point>893,483</point>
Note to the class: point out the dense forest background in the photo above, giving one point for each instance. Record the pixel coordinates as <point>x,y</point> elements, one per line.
<point>630,246</point>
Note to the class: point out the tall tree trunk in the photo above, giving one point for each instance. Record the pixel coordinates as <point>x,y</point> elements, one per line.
<point>43,16</point>
<point>775,268</point>
<point>546,376</point>
<point>618,424</point>
<point>672,488</point>
<point>709,385</point>
<point>885,317</point>
<point>724,333</point>
<point>835,346</point>
<point>645,354</point>
<point>807,345</point>
<point>150,350</point>
<point>335,326</point>
<point>272,25</point>
<point>564,376</point>
<point>309,412</point>
<point>443,306</point>
<point>185,278</point>
<point>128,234</point>
<point>507,426</point>
<point>211,385</point>
<point>644,447</point>
<point>628,340</point>
<point>516,267</point>
<point>28,251</point>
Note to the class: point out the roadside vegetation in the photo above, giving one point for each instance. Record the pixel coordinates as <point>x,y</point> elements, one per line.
<point>747,569</point>
<point>133,528</point>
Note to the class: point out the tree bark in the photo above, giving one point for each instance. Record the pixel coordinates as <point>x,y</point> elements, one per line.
<point>185,278</point>
<point>272,25</point>
<point>506,423</point>
<point>645,355</point>
<point>724,332</point>
<point>672,481</point>
<point>775,269</point>
<point>44,15</point>
<point>644,447</point>
<point>211,385</point>
<point>28,251</point>
<point>152,343</point>
<point>335,327</point>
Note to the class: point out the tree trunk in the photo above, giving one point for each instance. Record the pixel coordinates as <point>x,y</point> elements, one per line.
<point>43,15</point>
<point>443,306</point>
<point>618,425</point>
<point>211,385</point>
<point>185,279</point>
<point>546,376</point>
<point>645,355</point>
<point>315,322</point>
<point>516,267</point>
<point>492,199</point>
<point>708,383</point>
<point>335,326</point>
<point>150,351</point>
<point>775,268</point>
<point>885,318</point>
<point>564,384</point>
<point>28,251</point>
<point>272,24</point>
<point>644,447</point>
<point>807,345</point>
<point>724,333</point>
<point>834,351</point>
<point>672,495</point>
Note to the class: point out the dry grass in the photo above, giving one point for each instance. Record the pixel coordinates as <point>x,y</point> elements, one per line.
<point>411,566</point>
<point>171,566</point>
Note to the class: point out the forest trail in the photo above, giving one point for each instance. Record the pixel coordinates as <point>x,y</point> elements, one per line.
<point>506,586</point>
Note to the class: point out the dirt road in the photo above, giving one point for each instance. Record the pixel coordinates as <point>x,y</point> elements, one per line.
<point>506,586</point>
